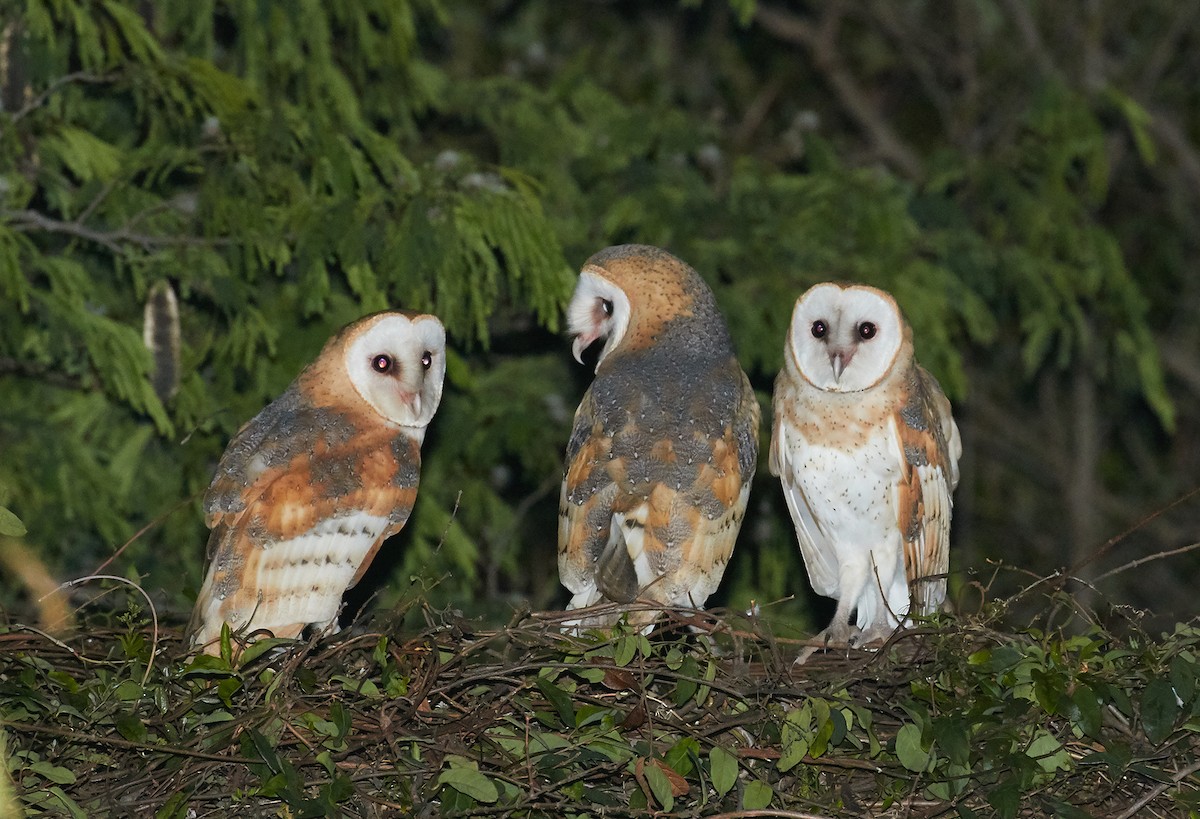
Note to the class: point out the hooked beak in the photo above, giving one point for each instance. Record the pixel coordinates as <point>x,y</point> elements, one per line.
<point>840,360</point>
<point>581,343</point>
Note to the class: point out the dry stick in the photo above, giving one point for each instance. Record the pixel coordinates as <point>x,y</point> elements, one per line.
<point>1107,546</point>
<point>158,520</point>
<point>821,41</point>
<point>49,90</point>
<point>1158,790</point>
<point>1133,564</point>
<point>153,612</point>
<point>77,736</point>
<point>781,814</point>
<point>27,220</point>
<point>1060,577</point>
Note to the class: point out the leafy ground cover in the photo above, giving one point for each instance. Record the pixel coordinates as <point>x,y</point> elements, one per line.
<point>705,717</point>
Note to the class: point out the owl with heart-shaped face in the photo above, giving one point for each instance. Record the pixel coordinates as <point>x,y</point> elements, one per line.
<point>867,450</point>
<point>664,442</point>
<point>309,489</point>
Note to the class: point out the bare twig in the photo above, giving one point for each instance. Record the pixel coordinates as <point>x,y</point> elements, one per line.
<point>1167,45</point>
<point>114,240</point>
<point>77,736</point>
<point>1027,28</point>
<point>821,41</point>
<point>70,584</point>
<point>26,369</point>
<point>1133,564</point>
<point>1158,790</point>
<point>158,520</point>
<point>1113,541</point>
<point>779,814</point>
<point>66,79</point>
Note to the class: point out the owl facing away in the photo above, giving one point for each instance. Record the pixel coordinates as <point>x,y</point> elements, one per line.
<point>664,443</point>
<point>308,489</point>
<point>867,451</point>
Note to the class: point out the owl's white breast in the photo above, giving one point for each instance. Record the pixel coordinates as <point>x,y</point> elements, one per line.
<point>844,462</point>
<point>850,492</point>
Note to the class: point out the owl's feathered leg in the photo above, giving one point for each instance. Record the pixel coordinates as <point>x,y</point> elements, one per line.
<point>856,578</point>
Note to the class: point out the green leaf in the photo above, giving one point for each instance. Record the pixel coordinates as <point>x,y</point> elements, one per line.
<point>1048,752</point>
<point>1085,709</point>
<point>52,773</point>
<point>908,748</point>
<point>67,802</point>
<point>1160,709</point>
<point>1183,678</point>
<point>625,650</point>
<point>794,745</point>
<point>130,726</point>
<point>559,699</point>
<point>723,769</point>
<point>470,782</point>
<point>757,795</point>
<point>10,524</point>
<point>660,786</point>
<point>1006,799</point>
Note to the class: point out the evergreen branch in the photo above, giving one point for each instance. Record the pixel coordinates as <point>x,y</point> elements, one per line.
<point>12,366</point>
<point>49,90</point>
<point>821,41</point>
<point>114,240</point>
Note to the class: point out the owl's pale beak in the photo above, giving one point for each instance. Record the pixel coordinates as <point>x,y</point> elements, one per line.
<point>581,343</point>
<point>839,359</point>
<point>412,400</point>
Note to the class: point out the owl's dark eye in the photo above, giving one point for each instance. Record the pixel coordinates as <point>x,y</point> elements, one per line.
<point>607,306</point>
<point>866,331</point>
<point>427,359</point>
<point>819,329</point>
<point>381,364</point>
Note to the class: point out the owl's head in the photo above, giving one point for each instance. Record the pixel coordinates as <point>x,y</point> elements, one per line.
<point>599,309</point>
<point>845,338</point>
<point>636,297</point>
<point>396,362</point>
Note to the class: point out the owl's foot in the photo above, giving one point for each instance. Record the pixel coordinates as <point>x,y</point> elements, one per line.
<point>836,635</point>
<point>874,634</point>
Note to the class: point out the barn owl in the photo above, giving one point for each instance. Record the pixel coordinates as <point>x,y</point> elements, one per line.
<point>664,444</point>
<point>867,451</point>
<point>308,490</point>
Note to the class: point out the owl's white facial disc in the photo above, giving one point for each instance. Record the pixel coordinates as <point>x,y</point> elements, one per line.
<point>599,309</point>
<point>397,365</point>
<point>845,339</point>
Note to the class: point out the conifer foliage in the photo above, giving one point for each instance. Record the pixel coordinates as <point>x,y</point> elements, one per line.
<point>193,196</point>
<point>264,167</point>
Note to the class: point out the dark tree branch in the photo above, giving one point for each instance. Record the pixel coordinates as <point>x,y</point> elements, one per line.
<point>25,369</point>
<point>821,42</point>
<point>1027,28</point>
<point>909,43</point>
<point>1175,138</point>
<point>1167,46</point>
<point>114,240</point>
<point>49,91</point>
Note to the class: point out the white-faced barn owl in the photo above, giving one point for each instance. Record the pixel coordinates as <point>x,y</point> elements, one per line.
<point>308,490</point>
<point>867,450</point>
<point>664,444</point>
